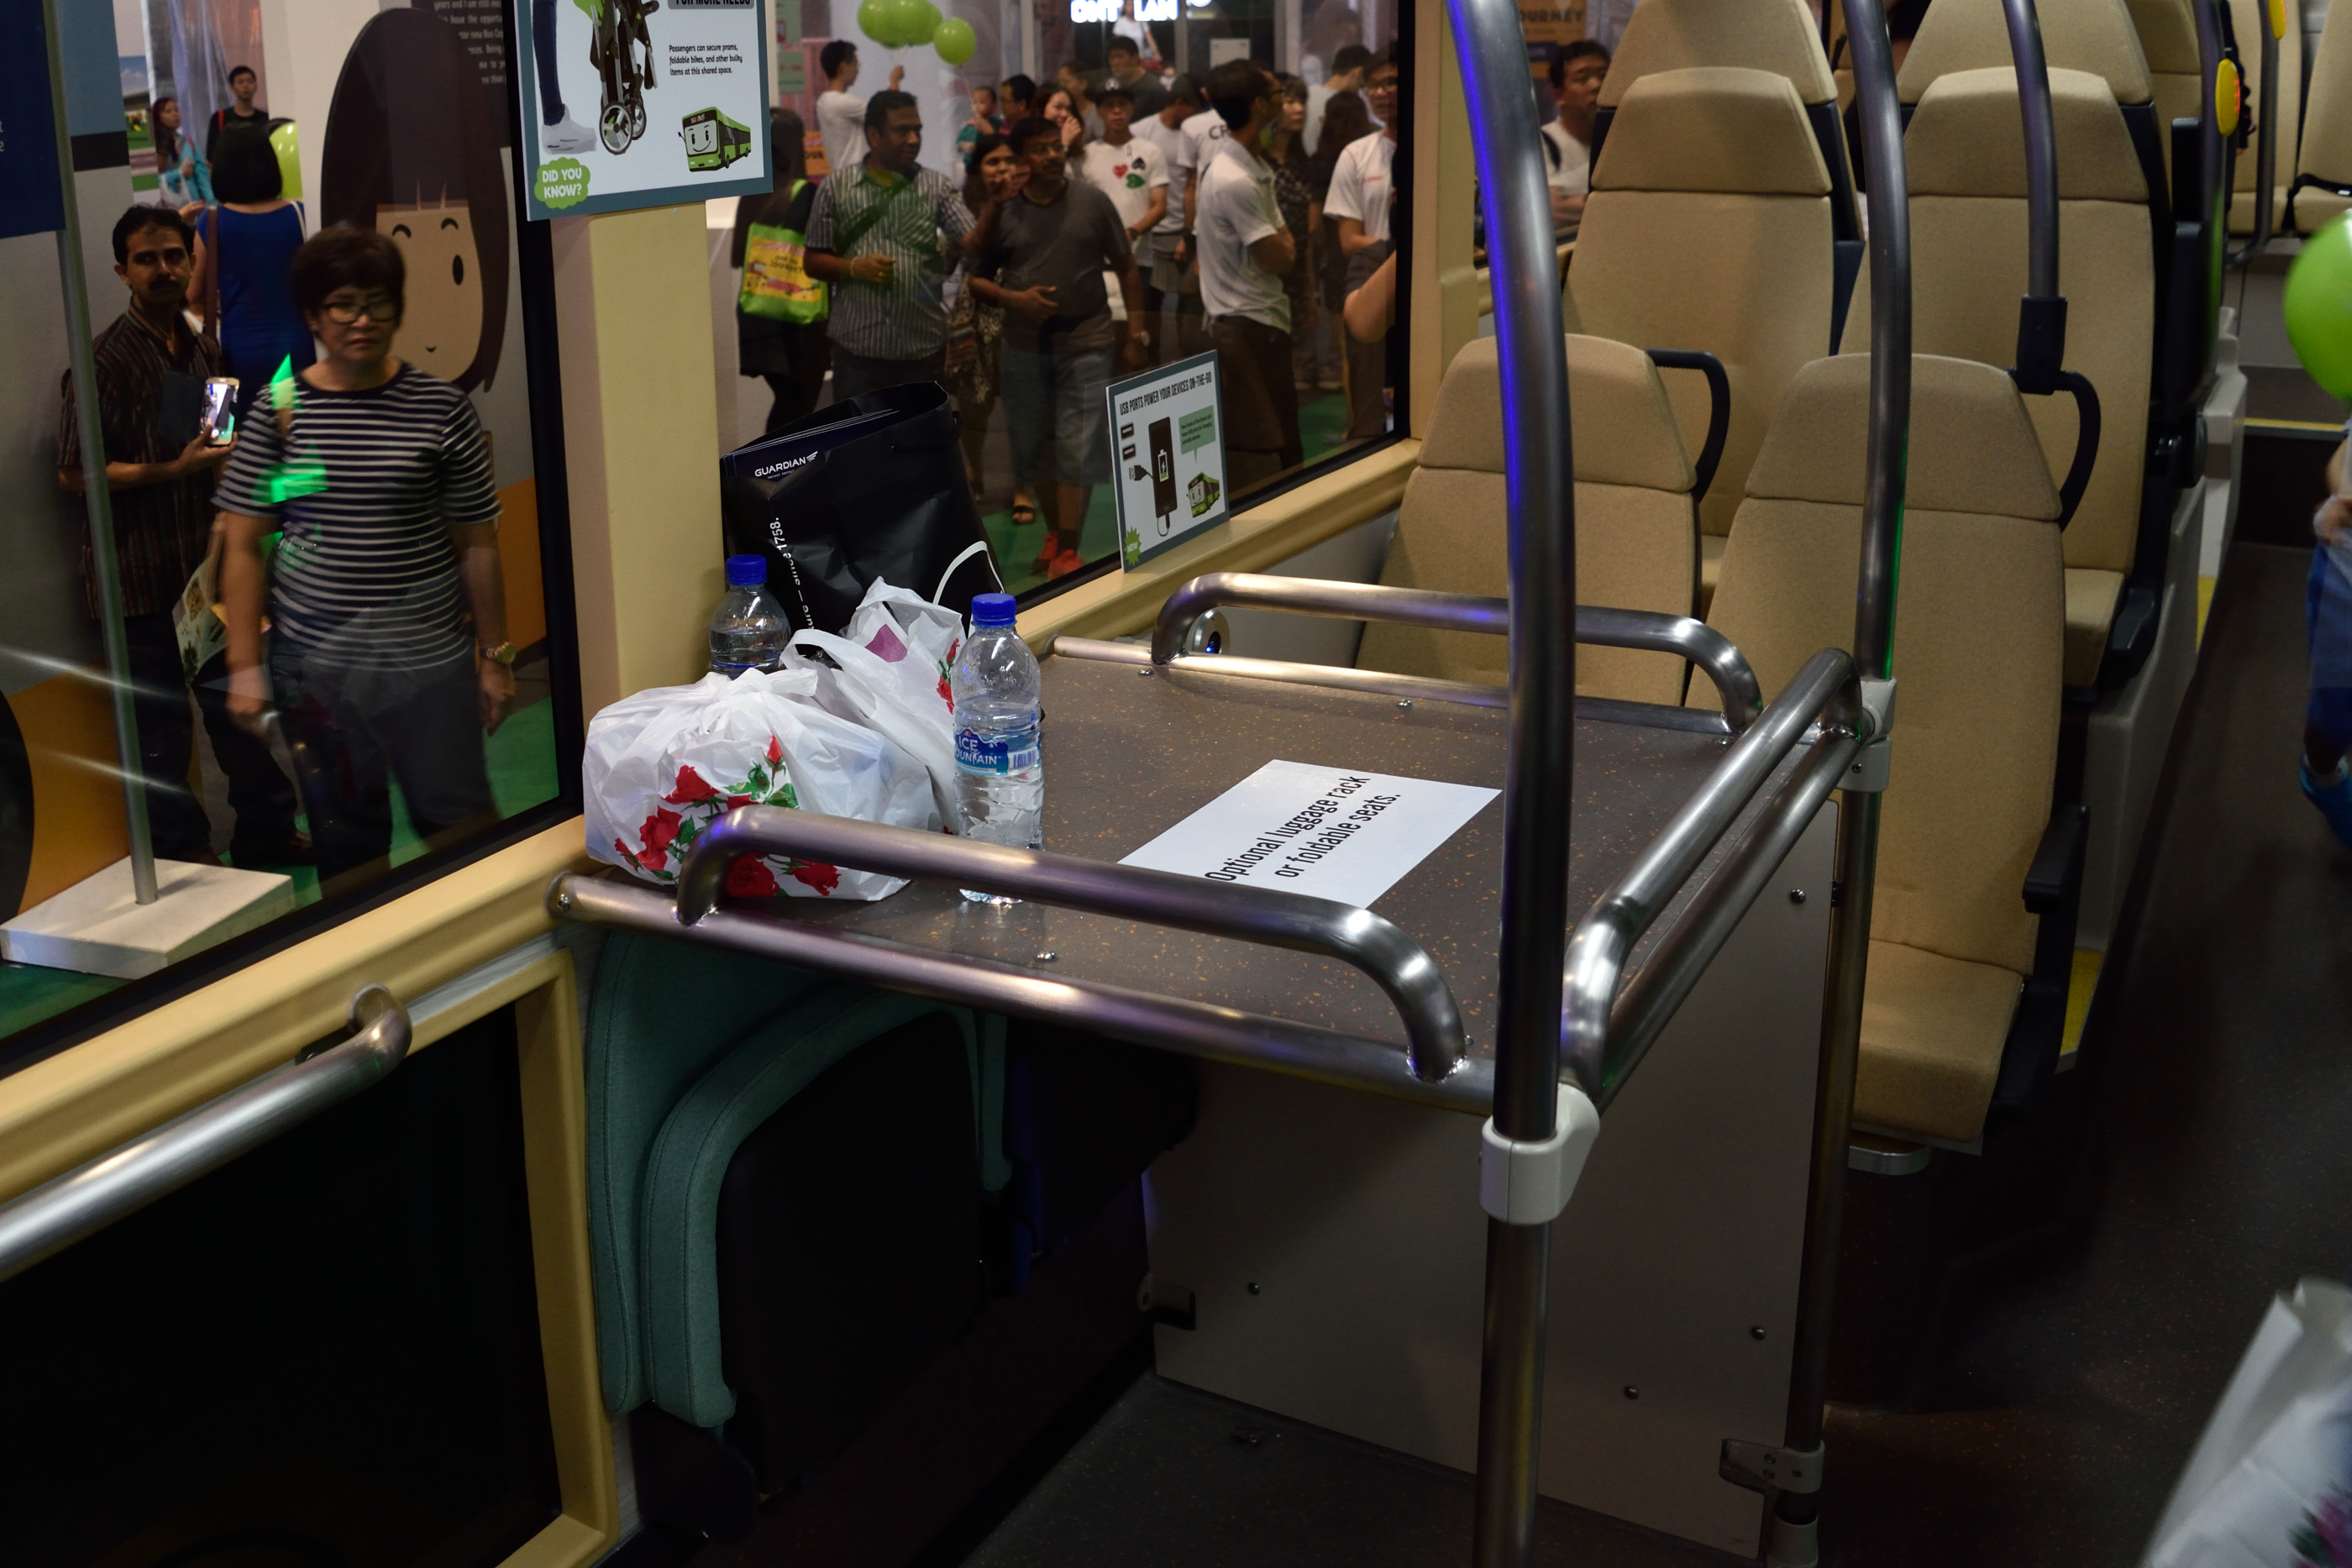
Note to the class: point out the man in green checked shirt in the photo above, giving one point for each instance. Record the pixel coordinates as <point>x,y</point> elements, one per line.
<point>887,235</point>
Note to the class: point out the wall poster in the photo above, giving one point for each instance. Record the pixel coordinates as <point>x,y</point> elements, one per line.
<point>630,105</point>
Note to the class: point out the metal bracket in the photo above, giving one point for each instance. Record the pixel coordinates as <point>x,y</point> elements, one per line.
<point>1760,1466</point>
<point>1868,772</point>
<point>1529,1183</point>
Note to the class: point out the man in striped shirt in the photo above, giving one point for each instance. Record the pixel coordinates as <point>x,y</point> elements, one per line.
<point>378,474</point>
<point>887,235</point>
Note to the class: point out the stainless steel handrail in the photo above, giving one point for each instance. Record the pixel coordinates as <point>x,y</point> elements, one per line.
<point>1597,625</point>
<point>2266,155</point>
<point>1339,677</point>
<point>92,1197</point>
<point>1169,1023</point>
<point>1268,916</point>
<point>1605,937</point>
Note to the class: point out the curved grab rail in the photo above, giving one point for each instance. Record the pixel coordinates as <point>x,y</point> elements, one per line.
<point>2087,442</point>
<point>1600,625</point>
<point>1605,937</point>
<point>1393,961</point>
<point>93,1196</point>
<point>1718,409</point>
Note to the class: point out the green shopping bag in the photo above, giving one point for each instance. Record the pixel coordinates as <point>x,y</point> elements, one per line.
<point>776,283</point>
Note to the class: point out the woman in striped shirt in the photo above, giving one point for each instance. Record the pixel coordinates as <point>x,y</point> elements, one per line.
<point>386,586</point>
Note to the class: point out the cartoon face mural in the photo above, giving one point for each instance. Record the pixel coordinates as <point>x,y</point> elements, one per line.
<point>441,330</point>
<point>412,151</point>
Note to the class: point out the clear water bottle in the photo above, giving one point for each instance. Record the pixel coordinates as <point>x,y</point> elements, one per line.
<point>1000,776</point>
<point>748,630</point>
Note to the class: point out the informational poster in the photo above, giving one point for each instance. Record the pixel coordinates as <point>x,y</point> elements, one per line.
<point>1342,833</point>
<point>627,105</point>
<point>31,200</point>
<point>1168,443</point>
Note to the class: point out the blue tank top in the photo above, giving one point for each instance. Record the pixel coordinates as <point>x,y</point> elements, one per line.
<point>259,327</point>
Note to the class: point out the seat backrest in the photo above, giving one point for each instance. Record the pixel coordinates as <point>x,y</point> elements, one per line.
<point>2250,20</point>
<point>1964,154</point>
<point>2327,150</point>
<point>1636,543</point>
<point>1708,227</point>
<point>1978,631</point>
<point>2175,67</point>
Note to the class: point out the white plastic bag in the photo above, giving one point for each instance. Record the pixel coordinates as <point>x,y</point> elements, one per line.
<point>889,673</point>
<point>2270,1483</point>
<point>663,765</point>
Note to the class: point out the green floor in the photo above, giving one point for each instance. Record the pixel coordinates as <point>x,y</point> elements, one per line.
<point>521,758</point>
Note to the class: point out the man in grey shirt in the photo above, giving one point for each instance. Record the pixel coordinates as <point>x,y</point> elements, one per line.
<point>1039,252</point>
<point>886,236</point>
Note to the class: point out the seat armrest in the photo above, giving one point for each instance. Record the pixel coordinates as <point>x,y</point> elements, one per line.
<point>2057,869</point>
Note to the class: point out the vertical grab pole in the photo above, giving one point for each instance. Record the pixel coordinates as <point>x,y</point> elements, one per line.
<point>95,499</point>
<point>2041,315</point>
<point>2266,155</point>
<point>1492,48</point>
<point>1794,1535</point>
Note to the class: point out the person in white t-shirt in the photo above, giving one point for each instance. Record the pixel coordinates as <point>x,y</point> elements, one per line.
<point>1202,135</point>
<point>1163,261</point>
<point>1130,170</point>
<point>1575,79</point>
<point>841,113</point>
<point>1362,180</point>
<point>1245,252</point>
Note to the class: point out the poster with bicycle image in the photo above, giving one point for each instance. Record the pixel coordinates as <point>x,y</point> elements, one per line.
<point>641,104</point>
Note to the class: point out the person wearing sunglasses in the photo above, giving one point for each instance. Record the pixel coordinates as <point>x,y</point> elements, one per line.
<point>388,655</point>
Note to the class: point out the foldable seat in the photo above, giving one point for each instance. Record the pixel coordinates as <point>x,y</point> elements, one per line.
<point>1965,153</point>
<point>2323,162</point>
<point>2248,19</point>
<point>1709,228</point>
<point>1636,544</point>
<point>2175,67</point>
<point>1971,929</point>
<point>1776,36</point>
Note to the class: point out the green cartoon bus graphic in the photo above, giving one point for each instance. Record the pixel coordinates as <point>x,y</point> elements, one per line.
<point>1203,493</point>
<point>713,140</point>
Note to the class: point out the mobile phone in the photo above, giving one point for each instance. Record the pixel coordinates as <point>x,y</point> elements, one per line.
<point>219,425</point>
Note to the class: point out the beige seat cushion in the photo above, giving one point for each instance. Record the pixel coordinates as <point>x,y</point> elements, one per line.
<point>1966,155</point>
<point>1709,228</point>
<point>1776,35</point>
<point>1932,1033</point>
<point>1636,538</point>
<point>2091,597</point>
<point>1710,567</point>
<point>2094,36</point>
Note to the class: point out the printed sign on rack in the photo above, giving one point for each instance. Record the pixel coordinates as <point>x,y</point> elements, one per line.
<point>1167,455</point>
<point>647,107</point>
<point>1343,833</point>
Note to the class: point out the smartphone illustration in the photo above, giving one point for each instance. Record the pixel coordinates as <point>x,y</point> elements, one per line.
<point>1163,472</point>
<point>219,425</point>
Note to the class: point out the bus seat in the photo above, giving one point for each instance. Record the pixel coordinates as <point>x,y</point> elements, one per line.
<point>1635,535</point>
<point>2323,164</point>
<point>1965,153</point>
<point>2248,19</point>
<point>838,1239</point>
<point>1776,36</point>
<point>1978,652</point>
<point>2175,67</point>
<point>1709,228</point>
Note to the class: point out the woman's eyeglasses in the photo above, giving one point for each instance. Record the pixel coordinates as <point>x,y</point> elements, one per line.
<point>345,312</point>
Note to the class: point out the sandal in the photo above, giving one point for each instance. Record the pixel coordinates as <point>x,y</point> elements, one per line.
<point>1025,511</point>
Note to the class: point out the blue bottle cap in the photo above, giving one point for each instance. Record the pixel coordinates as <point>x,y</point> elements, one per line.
<point>991,610</point>
<point>746,570</point>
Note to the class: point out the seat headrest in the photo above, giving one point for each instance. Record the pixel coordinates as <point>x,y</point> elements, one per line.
<point>1776,35</point>
<point>2094,36</point>
<point>1967,140</point>
<point>1712,128</point>
<point>1621,423</point>
<point>1973,448</point>
<point>2167,36</point>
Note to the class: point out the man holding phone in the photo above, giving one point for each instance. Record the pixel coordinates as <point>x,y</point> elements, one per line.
<point>161,462</point>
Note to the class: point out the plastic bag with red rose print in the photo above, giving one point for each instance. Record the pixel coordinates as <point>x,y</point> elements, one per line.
<point>662,765</point>
<point>890,672</point>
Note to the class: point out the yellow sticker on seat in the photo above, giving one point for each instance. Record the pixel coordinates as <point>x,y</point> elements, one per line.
<point>2225,96</point>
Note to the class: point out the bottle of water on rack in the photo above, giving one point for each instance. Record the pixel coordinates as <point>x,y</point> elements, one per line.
<point>1000,776</point>
<point>748,630</point>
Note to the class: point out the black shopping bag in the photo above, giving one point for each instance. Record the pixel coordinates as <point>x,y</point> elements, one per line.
<point>869,488</point>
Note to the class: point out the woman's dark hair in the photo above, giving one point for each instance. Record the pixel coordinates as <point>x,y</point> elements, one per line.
<point>412,125</point>
<point>788,148</point>
<point>1345,118</point>
<point>975,187</point>
<point>167,140</point>
<point>346,257</point>
<point>245,168</point>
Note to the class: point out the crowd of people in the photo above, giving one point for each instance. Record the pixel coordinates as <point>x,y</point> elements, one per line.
<point>1105,222</point>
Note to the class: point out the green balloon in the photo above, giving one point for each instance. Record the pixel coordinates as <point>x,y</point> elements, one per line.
<point>954,40</point>
<point>874,20</point>
<point>926,26</point>
<point>906,26</point>
<point>2319,305</point>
